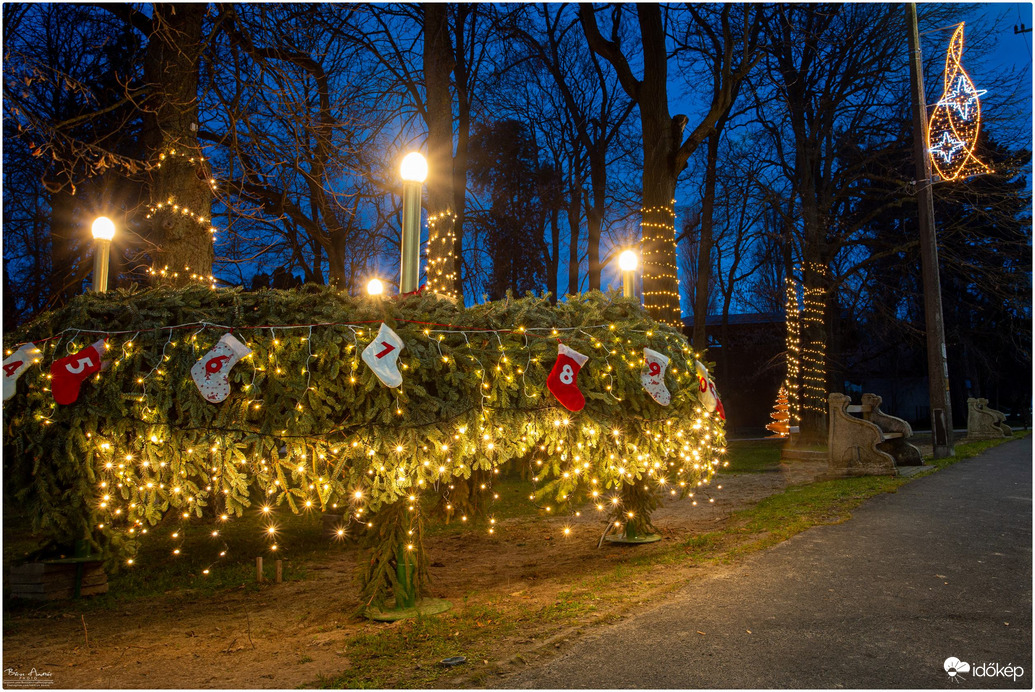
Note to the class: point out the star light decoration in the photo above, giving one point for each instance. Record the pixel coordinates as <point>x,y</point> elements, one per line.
<point>955,124</point>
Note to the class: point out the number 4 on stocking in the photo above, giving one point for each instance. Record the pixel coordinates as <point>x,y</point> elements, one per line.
<point>17,363</point>
<point>382,355</point>
<point>561,381</point>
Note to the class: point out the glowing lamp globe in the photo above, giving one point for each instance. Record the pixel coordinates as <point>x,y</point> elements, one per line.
<point>103,228</point>
<point>627,261</point>
<point>375,287</point>
<point>414,167</point>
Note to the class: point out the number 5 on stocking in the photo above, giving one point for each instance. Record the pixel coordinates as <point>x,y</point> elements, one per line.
<point>69,373</point>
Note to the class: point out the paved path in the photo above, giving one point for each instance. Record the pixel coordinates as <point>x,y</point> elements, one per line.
<point>941,568</point>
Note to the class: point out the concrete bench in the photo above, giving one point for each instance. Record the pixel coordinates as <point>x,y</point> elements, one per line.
<point>875,444</point>
<point>984,423</point>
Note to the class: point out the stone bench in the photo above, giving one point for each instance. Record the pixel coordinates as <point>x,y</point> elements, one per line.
<point>984,423</point>
<point>875,444</point>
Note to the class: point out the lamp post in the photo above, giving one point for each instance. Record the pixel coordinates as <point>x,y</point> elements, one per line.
<point>627,262</point>
<point>414,170</point>
<point>103,231</point>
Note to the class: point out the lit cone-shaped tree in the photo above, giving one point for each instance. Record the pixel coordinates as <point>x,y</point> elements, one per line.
<point>781,415</point>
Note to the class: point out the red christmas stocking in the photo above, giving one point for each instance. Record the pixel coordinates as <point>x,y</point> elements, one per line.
<point>69,373</point>
<point>561,381</point>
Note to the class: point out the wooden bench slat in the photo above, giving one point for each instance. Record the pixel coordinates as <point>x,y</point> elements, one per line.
<point>892,435</point>
<point>859,408</point>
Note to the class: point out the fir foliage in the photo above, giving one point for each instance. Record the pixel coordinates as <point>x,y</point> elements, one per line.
<point>309,426</point>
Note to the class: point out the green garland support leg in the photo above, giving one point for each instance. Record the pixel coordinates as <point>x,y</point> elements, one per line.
<point>632,536</point>
<point>637,500</point>
<point>406,603</point>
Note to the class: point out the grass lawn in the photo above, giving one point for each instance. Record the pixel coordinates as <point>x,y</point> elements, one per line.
<point>753,456</point>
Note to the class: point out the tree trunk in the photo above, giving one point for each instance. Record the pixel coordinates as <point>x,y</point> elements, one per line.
<point>813,332</point>
<point>573,241</point>
<point>661,139</point>
<point>704,247</point>
<point>63,232</point>
<point>438,65</point>
<point>181,197</point>
<point>595,212</point>
<point>553,264</point>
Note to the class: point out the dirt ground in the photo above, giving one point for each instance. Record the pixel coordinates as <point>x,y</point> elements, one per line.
<point>290,634</point>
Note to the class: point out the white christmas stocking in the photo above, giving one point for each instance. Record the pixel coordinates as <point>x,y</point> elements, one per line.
<point>17,363</point>
<point>382,355</point>
<point>653,376</point>
<point>706,387</point>
<point>212,372</point>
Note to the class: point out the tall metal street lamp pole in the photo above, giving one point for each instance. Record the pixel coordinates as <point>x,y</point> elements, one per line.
<point>103,231</point>
<point>414,170</point>
<point>627,262</point>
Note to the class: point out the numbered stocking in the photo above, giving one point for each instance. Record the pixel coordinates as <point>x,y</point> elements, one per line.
<point>382,355</point>
<point>68,374</point>
<point>706,388</point>
<point>653,376</point>
<point>561,381</point>
<point>212,372</point>
<point>17,363</point>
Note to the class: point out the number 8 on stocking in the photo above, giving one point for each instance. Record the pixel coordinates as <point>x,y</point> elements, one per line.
<point>561,381</point>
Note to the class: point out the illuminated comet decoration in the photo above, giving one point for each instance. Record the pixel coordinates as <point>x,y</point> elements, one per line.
<point>952,133</point>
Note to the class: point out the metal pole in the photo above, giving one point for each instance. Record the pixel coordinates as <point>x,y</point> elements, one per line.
<point>937,364</point>
<point>410,242</point>
<point>100,264</point>
<point>628,280</point>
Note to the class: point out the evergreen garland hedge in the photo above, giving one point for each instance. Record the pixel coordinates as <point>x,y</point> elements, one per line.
<point>309,425</point>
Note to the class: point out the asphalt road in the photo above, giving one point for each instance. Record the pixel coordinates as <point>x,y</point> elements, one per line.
<point>942,568</point>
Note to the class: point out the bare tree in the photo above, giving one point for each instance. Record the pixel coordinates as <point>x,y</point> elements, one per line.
<point>665,151</point>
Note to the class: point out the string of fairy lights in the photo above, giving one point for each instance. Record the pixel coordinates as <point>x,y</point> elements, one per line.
<point>146,460</point>
<point>793,341</point>
<point>813,352</point>
<point>659,263</point>
<point>805,384</point>
<point>442,264</point>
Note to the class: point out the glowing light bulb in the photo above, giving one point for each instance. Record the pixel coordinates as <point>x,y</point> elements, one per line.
<point>414,167</point>
<point>375,287</point>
